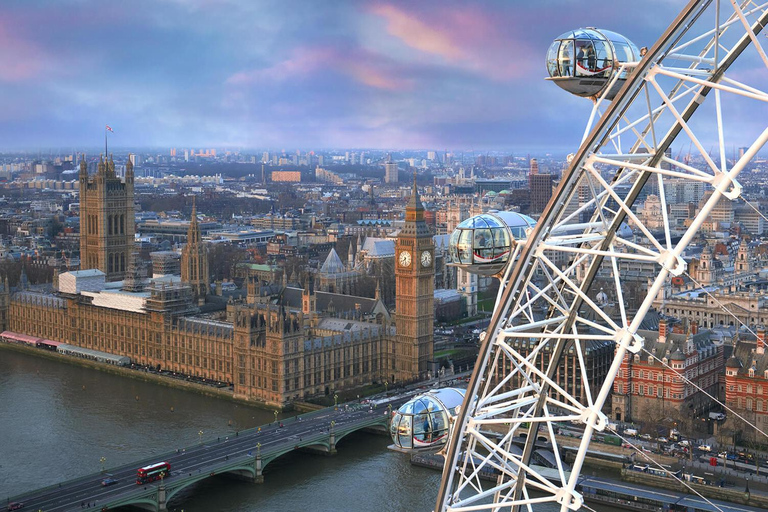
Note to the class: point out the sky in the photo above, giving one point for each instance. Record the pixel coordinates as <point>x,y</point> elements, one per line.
<point>432,74</point>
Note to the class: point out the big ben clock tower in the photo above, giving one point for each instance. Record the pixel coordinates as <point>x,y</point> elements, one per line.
<point>415,285</point>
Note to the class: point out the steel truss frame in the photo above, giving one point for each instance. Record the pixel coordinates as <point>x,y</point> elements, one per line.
<point>546,306</point>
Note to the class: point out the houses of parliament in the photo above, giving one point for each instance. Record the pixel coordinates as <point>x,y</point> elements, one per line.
<point>275,345</point>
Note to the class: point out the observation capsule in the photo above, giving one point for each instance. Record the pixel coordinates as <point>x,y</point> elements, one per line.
<point>584,61</point>
<point>482,244</point>
<point>423,422</point>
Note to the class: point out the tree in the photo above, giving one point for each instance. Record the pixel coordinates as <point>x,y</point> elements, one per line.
<point>222,259</point>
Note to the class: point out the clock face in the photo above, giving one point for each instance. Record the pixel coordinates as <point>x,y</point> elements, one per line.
<point>426,259</point>
<point>405,259</point>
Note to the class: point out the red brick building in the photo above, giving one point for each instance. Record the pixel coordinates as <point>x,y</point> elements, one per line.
<point>746,383</point>
<point>652,389</point>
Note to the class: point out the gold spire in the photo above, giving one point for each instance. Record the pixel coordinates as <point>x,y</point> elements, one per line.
<point>414,204</point>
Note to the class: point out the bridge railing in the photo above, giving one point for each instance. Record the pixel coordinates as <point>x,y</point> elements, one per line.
<point>376,418</point>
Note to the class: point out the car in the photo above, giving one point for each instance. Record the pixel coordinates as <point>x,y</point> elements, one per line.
<point>645,437</point>
<point>108,481</point>
<point>16,505</point>
<point>705,448</point>
<point>662,440</point>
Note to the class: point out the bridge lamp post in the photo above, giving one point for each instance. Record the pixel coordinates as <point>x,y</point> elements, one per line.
<point>335,401</point>
<point>102,460</point>
<point>275,416</point>
<point>386,386</point>
<point>200,436</point>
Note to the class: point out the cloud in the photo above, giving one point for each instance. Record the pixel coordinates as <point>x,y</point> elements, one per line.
<point>464,37</point>
<point>20,58</point>
<point>418,34</point>
<point>371,73</point>
<point>366,68</point>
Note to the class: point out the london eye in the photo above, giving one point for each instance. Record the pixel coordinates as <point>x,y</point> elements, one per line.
<point>701,85</point>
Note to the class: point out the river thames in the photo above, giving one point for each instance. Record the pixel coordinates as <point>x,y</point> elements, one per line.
<point>58,420</point>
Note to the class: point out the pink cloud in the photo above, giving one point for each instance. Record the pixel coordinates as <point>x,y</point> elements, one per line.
<point>465,37</point>
<point>418,34</point>
<point>365,67</point>
<point>20,59</point>
<point>303,62</point>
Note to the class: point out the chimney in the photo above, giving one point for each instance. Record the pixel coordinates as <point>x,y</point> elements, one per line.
<point>760,340</point>
<point>662,331</point>
<point>694,327</point>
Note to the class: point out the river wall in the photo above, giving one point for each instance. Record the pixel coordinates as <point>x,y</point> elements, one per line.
<point>145,376</point>
<point>708,491</point>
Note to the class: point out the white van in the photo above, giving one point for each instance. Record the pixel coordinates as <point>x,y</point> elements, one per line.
<point>630,432</point>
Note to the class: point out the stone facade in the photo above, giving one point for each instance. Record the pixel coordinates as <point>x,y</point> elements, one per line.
<point>415,285</point>
<point>106,219</point>
<point>269,352</point>
<point>651,387</point>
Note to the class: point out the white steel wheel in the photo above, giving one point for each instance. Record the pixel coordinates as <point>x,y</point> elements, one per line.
<point>687,90</point>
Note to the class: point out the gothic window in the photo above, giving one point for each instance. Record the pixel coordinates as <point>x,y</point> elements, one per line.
<point>122,263</point>
<point>109,224</point>
<point>122,224</point>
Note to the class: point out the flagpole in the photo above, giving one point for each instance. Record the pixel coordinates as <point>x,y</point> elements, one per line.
<point>106,153</point>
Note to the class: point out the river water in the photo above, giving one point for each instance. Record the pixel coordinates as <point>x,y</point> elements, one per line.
<point>58,420</point>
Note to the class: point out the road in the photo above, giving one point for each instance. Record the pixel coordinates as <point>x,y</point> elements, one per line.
<point>205,457</point>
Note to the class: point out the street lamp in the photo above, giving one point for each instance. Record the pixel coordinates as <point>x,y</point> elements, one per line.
<point>386,386</point>
<point>335,401</point>
<point>200,436</point>
<point>275,416</point>
<point>102,460</point>
<point>746,491</point>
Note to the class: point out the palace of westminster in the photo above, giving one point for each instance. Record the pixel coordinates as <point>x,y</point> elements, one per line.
<point>275,345</point>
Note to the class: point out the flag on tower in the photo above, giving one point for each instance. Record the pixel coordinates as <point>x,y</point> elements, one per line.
<point>110,129</point>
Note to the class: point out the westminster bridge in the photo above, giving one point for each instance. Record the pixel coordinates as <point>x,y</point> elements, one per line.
<point>242,456</point>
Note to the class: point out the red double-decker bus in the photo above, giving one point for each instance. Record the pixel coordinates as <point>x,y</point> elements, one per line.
<point>153,472</point>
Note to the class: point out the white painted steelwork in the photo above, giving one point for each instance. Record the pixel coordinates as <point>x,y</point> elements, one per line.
<point>546,304</point>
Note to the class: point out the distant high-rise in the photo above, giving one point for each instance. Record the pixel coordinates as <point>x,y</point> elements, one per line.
<point>106,219</point>
<point>540,186</point>
<point>534,167</point>
<point>390,170</point>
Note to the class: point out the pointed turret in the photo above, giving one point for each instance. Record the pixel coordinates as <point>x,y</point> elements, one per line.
<point>415,203</point>
<point>102,167</point>
<point>194,259</point>
<point>129,170</point>
<point>23,280</point>
<point>351,255</point>
<point>83,174</point>
<point>308,303</point>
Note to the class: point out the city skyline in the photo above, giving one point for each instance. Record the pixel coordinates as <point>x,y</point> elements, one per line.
<point>370,74</point>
